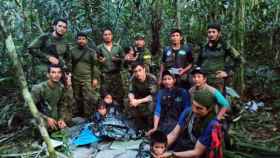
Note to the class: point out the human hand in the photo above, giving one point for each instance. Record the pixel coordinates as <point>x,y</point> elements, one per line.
<point>53,60</point>
<point>61,124</point>
<point>151,131</point>
<point>68,79</point>
<point>94,83</point>
<point>52,123</point>
<point>102,59</point>
<point>221,74</point>
<point>133,103</point>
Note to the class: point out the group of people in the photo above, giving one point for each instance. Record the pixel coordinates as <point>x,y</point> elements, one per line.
<point>178,109</point>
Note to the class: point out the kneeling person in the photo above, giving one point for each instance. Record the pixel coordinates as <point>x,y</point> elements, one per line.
<point>203,129</point>
<point>53,99</point>
<point>141,91</point>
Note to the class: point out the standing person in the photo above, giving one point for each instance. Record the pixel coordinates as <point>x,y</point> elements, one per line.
<point>143,55</point>
<point>49,48</point>
<point>83,66</point>
<point>142,89</point>
<point>172,105</point>
<point>218,57</point>
<point>178,59</point>
<point>54,100</point>
<point>110,56</point>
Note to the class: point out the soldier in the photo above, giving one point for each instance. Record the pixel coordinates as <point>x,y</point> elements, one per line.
<point>110,55</point>
<point>178,59</point>
<point>49,48</point>
<point>218,57</point>
<point>142,89</point>
<point>53,100</point>
<point>82,63</point>
<point>142,53</point>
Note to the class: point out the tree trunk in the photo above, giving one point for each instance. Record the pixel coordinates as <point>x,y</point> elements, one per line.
<point>239,21</point>
<point>178,14</point>
<point>11,50</point>
<point>156,24</point>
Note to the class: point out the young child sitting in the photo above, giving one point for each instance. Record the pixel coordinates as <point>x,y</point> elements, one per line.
<point>158,143</point>
<point>108,123</point>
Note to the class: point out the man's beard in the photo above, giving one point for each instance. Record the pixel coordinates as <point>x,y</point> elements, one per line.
<point>58,34</point>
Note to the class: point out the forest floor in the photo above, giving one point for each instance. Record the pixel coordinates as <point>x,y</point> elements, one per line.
<point>252,134</point>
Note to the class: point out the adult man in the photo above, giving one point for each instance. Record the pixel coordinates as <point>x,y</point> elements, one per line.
<point>54,100</point>
<point>217,57</point>
<point>178,59</point>
<point>49,48</point>
<point>110,56</point>
<point>143,54</point>
<point>142,89</point>
<point>203,129</point>
<point>83,66</point>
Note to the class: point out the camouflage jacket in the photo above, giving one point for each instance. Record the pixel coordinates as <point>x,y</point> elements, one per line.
<point>221,56</point>
<point>54,101</point>
<point>143,89</point>
<point>82,63</point>
<point>47,45</point>
<point>111,65</point>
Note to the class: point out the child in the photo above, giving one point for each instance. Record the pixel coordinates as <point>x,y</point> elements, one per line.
<point>172,105</point>
<point>110,102</point>
<point>158,143</point>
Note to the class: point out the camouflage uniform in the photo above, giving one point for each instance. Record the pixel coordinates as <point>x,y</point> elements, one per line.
<point>42,48</point>
<point>83,66</point>
<point>143,113</point>
<point>144,56</point>
<point>222,56</point>
<point>54,102</point>
<point>111,78</point>
<point>178,59</point>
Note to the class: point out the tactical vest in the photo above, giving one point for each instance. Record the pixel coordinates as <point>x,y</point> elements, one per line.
<point>176,59</point>
<point>214,59</point>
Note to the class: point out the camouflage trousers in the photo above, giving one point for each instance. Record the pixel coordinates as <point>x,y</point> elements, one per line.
<point>86,98</point>
<point>183,81</point>
<point>142,115</point>
<point>113,84</point>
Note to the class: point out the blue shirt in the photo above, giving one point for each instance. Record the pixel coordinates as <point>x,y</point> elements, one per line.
<point>182,94</point>
<point>205,137</point>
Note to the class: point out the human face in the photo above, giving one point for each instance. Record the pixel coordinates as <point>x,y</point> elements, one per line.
<point>199,79</point>
<point>176,38</point>
<point>108,99</point>
<point>140,73</point>
<point>199,110</point>
<point>82,41</point>
<point>107,36</point>
<point>55,74</point>
<point>102,110</point>
<point>159,148</point>
<point>140,43</point>
<point>60,28</point>
<point>168,81</point>
<point>213,34</point>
